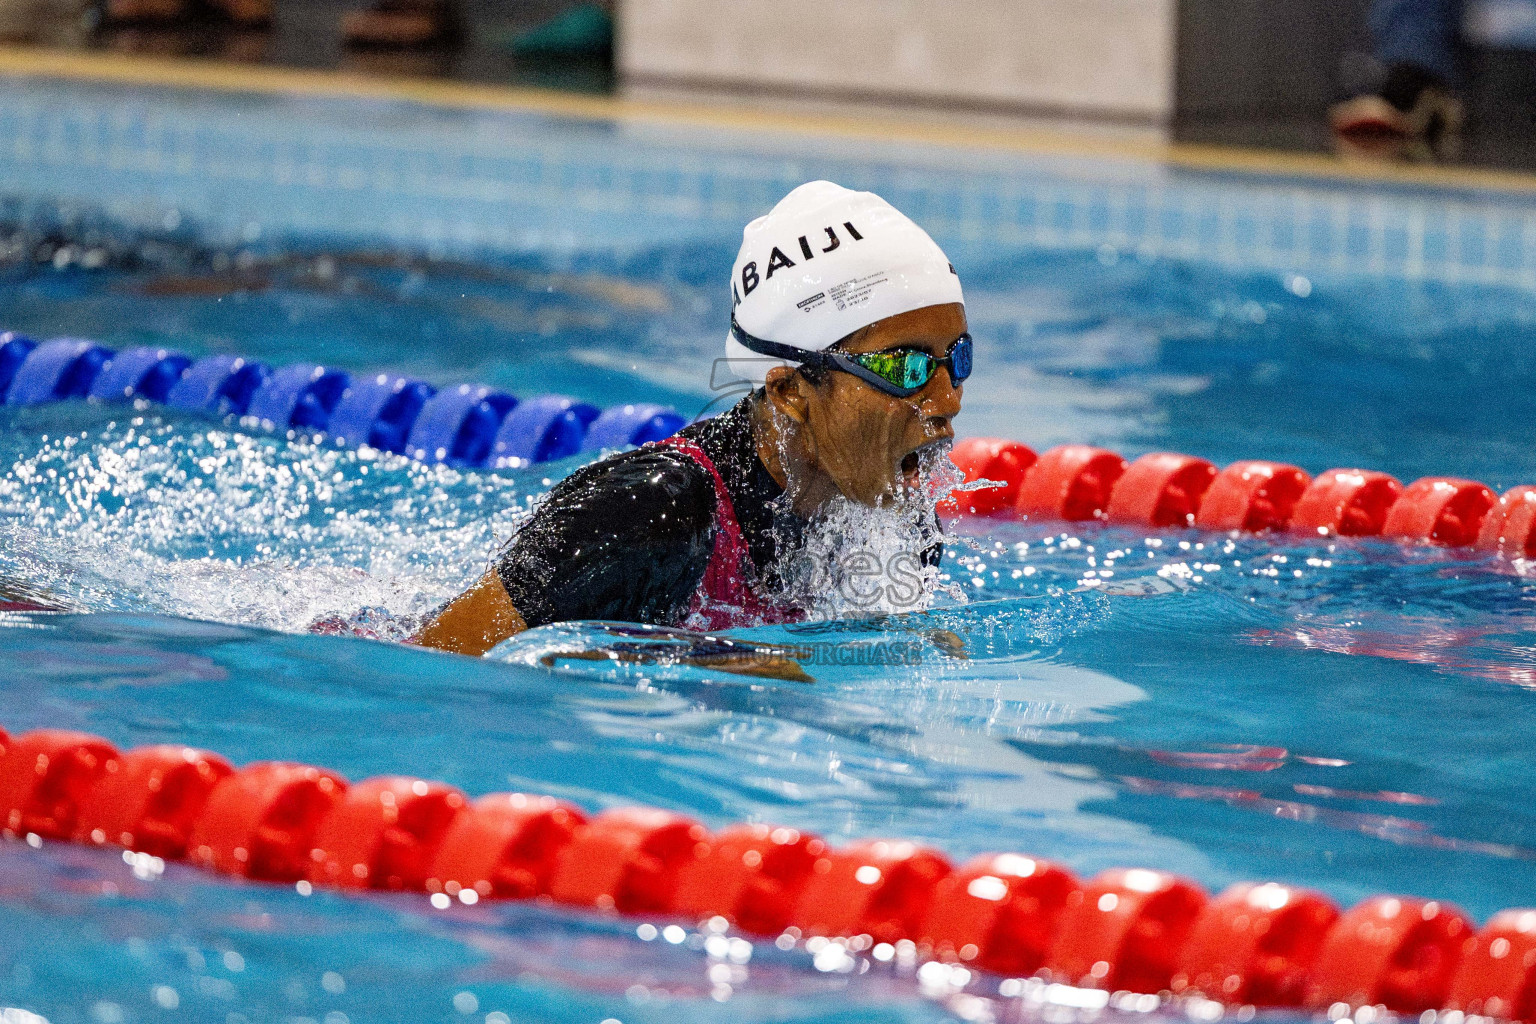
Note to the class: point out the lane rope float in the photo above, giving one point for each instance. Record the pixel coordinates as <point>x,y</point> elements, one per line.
<point>471,426</point>
<point>1130,930</point>
<point>1078,483</point>
<point>465,426</point>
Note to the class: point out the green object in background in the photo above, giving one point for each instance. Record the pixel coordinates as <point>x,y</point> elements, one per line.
<point>585,29</point>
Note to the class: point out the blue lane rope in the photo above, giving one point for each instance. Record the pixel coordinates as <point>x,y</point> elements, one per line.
<point>466,426</point>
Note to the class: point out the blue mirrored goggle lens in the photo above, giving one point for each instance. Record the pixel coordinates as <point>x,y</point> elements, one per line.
<point>917,368</point>
<point>910,370</point>
<point>960,359</point>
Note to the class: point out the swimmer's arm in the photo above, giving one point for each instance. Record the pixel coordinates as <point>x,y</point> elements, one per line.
<point>476,620</point>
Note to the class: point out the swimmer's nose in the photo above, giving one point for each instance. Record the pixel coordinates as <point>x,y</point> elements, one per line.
<point>940,401</point>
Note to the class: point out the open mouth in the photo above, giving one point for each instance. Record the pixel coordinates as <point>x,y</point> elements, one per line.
<point>921,460</point>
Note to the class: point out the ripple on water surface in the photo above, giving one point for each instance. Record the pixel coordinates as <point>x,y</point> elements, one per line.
<point>1345,715</point>
<point>1348,715</point>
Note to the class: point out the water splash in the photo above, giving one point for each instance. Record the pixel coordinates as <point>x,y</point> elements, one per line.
<point>629,652</point>
<point>859,560</point>
<point>172,515</point>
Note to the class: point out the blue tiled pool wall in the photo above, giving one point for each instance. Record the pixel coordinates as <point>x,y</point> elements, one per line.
<point>246,167</point>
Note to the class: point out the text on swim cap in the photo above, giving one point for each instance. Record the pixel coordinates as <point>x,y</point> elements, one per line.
<point>778,261</point>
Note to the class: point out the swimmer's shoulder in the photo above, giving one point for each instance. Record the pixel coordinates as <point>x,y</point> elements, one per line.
<point>655,486</point>
<point>657,492</point>
<point>662,472</point>
<point>627,537</point>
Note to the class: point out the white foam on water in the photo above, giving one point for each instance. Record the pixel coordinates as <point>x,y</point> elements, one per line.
<point>213,523</point>
<point>861,560</point>
<point>217,524</point>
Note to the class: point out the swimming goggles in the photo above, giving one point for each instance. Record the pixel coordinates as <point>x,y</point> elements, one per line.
<point>901,372</point>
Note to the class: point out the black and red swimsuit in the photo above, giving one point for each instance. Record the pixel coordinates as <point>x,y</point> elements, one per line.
<point>687,532</point>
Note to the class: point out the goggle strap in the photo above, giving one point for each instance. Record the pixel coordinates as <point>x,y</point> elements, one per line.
<point>864,373</point>
<point>778,350</point>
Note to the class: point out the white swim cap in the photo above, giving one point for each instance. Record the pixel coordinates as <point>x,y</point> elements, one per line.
<point>825,262</point>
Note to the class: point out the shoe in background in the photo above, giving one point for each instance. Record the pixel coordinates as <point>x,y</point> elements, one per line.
<point>1412,117</point>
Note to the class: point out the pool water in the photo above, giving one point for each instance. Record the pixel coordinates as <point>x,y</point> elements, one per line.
<point>1352,716</point>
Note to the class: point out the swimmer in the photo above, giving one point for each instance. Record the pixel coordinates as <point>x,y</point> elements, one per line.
<point>849,322</point>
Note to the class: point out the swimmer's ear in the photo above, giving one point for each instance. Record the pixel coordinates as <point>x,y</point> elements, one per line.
<point>786,391</point>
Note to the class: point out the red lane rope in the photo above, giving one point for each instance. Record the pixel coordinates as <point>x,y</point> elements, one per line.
<point>1134,929</point>
<point>1079,483</point>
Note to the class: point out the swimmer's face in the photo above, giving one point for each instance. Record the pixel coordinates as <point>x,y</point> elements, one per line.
<point>859,439</point>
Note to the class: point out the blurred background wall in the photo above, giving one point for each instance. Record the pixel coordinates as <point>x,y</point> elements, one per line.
<point>1264,72</point>
<point>1246,72</point>
<point>1258,73</point>
<point>1102,58</point>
